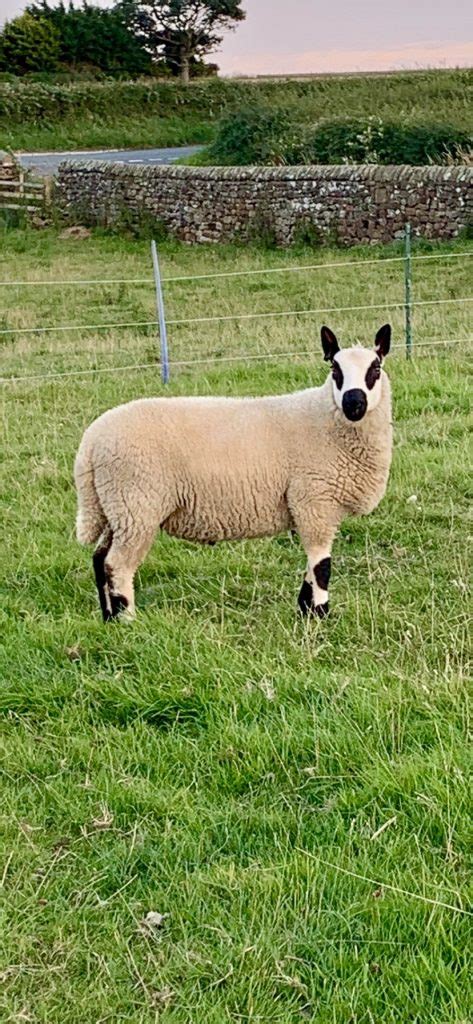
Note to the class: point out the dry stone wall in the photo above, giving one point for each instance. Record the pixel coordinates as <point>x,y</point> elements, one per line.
<point>347,204</point>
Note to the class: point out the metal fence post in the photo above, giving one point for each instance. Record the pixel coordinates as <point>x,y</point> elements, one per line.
<point>163,341</point>
<point>407,290</point>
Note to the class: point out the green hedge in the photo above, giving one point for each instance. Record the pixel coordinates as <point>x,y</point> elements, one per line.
<point>443,96</point>
<point>38,102</point>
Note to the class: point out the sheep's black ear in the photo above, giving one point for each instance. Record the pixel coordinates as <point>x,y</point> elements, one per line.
<point>383,341</point>
<point>329,344</point>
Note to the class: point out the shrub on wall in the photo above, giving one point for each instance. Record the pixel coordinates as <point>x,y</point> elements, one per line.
<point>373,141</point>
<point>253,135</point>
<point>263,135</point>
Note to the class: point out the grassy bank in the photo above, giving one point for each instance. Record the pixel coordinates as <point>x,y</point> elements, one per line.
<point>88,114</point>
<point>123,133</point>
<point>218,761</point>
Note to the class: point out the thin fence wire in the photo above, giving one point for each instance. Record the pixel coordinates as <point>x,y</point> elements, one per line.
<point>311,312</point>
<point>242,358</point>
<point>236,273</point>
<point>197,356</point>
<point>230,316</point>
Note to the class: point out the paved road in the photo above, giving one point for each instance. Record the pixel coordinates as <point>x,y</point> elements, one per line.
<point>48,163</point>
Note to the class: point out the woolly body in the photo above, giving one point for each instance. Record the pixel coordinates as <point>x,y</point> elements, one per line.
<point>212,469</point>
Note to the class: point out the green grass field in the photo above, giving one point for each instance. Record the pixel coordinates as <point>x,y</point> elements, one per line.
<point>87,115</point>
<point>218,761</point>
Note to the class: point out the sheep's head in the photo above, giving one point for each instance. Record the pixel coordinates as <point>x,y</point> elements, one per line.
<point>356,373</point>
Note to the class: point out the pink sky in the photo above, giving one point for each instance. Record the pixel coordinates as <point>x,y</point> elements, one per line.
<point>303,36</point>
<point>411,55</point>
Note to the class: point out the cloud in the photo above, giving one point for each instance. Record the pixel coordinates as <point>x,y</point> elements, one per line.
<point>415,55</point>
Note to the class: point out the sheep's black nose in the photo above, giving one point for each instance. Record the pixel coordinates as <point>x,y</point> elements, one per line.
<point>354,404</point>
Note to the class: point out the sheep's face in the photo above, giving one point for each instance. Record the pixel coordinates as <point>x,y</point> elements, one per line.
<point>356,382</point>
<point>356,373</point>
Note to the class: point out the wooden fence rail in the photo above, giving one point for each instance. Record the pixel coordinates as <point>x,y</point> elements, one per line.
<point>24,193</point>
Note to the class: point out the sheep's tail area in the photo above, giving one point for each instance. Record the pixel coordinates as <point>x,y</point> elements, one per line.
<point>91,520</point>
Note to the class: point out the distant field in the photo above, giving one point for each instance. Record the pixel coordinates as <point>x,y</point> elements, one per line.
<point>149,113</point>
<point>218,761</point>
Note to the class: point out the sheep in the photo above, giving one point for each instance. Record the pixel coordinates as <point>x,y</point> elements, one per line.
<point>213,469</point>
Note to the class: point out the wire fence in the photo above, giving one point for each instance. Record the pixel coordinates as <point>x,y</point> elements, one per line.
<point>129,367</point>
<point>231,316</point>
<point>379,261</point>
<point>166,362</point>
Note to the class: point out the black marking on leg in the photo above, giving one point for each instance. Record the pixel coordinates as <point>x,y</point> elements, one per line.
<point>322,574</point>
<point>322,610</point>
<point>305,599</point>
<point>118,601</point>
<point>98,561</point>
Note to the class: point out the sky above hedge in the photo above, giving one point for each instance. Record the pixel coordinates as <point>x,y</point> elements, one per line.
<point>303,36</point>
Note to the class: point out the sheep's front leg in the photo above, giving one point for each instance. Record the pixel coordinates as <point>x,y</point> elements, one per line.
<point>313,596</point>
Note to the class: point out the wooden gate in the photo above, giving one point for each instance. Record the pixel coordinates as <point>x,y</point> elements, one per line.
<point>20,191</point>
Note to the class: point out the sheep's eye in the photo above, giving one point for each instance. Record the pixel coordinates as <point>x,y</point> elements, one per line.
<point>373,374</point>
<point>337,375</point>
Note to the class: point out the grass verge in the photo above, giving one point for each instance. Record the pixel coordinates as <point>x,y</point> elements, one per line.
<point>126,133</point>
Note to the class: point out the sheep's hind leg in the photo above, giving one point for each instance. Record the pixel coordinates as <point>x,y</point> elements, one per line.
<point>98,560</point>
<point>313,596</point>
<point>121,563</point>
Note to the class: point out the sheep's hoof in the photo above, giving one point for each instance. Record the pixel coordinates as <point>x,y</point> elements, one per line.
<point>127,616</point>
<point>305,599</point>
<point>306,604</point>
<point>120,609</point>
<point>321,610</point>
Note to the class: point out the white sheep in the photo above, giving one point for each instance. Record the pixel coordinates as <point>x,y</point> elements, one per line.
<point>212,469</point>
